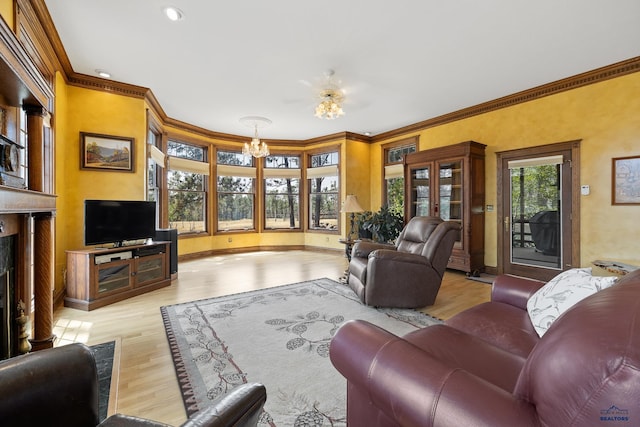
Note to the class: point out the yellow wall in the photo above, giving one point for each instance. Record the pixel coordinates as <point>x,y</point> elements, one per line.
<point>6,11</point>
<point>83,110</point>
<point>605,116</point>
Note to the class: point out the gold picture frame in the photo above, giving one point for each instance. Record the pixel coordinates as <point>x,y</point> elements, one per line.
<point>106,152</point>
<point>625,180</point>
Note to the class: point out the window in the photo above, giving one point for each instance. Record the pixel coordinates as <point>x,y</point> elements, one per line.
<point>236,191</point>
<point>154,164</point>
<point>187,185</point>
<point>282,192</point>
<point>394,174</point>
<point>23,153</point>
<point>324,188</point>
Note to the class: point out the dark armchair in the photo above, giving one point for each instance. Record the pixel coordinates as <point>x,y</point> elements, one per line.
<point>409,274</point>
<point>59,387</point>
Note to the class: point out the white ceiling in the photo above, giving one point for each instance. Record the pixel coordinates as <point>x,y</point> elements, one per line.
<point>399,62</point>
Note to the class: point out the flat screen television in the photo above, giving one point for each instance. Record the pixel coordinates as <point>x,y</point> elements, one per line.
<point>118,221</point>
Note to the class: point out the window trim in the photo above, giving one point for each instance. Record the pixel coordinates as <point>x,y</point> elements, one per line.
<point>251,172</point>
<point>207,149</point>
<point>307,192</point>
<point>385,148</point>
<point>283,173</point>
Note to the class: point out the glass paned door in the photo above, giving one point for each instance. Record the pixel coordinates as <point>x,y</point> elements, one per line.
<point>421,184</point>
<point>535,215</point>
<point>450,191</point>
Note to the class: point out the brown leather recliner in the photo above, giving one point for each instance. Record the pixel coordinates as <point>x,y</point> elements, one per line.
<point>59,387</point>
<point>409,274</point>
<point>487,367</point>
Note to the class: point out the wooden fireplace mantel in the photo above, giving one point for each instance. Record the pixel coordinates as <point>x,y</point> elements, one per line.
<point>16,200</point>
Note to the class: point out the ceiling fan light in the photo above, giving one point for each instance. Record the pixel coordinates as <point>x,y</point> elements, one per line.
<point>330,106</point>
<point>173,13</point>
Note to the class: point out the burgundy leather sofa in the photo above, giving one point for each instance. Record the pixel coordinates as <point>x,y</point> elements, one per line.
<point>487,367</point>
<point>59,387</point>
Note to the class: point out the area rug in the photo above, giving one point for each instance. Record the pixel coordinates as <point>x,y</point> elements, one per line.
<point>278,337</point>
<point>104,354</point>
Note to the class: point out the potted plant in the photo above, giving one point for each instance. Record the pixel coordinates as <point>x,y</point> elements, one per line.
<point>362,218</point>
<point>385,225</point>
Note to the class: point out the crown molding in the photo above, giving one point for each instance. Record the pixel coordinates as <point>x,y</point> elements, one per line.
<point>590,77</point>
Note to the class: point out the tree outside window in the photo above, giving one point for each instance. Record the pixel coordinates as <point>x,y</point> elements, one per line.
<point>282,192</point>
<point>187,190</point>
<point>394,182</point>
<point>236,191</point>
<point>324,203</point>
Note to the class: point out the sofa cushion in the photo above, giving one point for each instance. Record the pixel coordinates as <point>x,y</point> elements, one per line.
<point>476,356</point>
<point>503,325</point>
<point>561,293</point>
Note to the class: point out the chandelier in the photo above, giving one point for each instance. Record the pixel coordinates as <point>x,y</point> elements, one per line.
<point>331,97</point>
<point>255,148</point>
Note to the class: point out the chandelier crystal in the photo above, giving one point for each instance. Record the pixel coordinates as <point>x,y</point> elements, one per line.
<point>330,106</point>
<point>255,148</point>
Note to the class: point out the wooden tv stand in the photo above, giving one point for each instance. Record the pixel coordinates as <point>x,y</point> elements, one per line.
<point>98,277</point>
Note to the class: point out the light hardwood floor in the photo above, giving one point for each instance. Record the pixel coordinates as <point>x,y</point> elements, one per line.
<point>147,385</point>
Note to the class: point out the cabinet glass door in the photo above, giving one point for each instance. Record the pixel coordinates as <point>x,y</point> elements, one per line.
<point>113,277</point>
<point>421,187</point>
<point>450,191</point>
<point>150,268</point>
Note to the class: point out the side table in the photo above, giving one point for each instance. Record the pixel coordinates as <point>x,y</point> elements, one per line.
<point>615,267</point>
<point>348,245</point>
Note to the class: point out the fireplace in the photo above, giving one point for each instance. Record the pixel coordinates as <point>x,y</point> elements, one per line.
<point>8,313</point>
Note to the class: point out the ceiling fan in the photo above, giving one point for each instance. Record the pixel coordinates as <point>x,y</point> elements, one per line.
<point>331,99</point>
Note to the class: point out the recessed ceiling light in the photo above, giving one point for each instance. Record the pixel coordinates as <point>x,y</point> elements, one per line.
<point>173,13</point>
<point>103,73</point>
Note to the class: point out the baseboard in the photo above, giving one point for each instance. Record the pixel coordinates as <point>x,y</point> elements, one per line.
<point>229,251</point>
<point>491,270</point>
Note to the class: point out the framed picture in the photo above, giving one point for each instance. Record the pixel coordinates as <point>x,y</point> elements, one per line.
<point>625,181</point>
<point>106,153</point>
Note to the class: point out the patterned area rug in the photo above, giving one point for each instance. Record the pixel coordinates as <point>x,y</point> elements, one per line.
<point>278,337</point>
<point>104,355</point>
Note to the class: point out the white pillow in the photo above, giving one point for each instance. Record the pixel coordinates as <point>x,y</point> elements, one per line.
<point>561,293</point>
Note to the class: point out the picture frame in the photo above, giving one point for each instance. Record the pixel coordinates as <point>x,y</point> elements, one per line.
<point>625,180</point>
<point>106,152</point>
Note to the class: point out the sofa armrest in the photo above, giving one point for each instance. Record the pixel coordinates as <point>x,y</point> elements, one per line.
<point>363,248</point>
<point>514,290</point>
<point>242,407</point>
<point>58,384</point>
<point>413,388</point>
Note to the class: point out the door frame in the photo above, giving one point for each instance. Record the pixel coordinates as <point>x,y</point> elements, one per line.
<point>504,242</point>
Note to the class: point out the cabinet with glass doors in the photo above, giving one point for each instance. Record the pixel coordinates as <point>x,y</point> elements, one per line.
<point>449,182</point>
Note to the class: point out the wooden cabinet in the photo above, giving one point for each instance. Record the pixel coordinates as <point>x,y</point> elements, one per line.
<point>97,277</point>
<point>449,182</point>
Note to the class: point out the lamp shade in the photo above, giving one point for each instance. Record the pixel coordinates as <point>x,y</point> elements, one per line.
<point>351,204</point>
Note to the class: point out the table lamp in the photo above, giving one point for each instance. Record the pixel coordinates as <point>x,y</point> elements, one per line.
<point>351,205</point>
